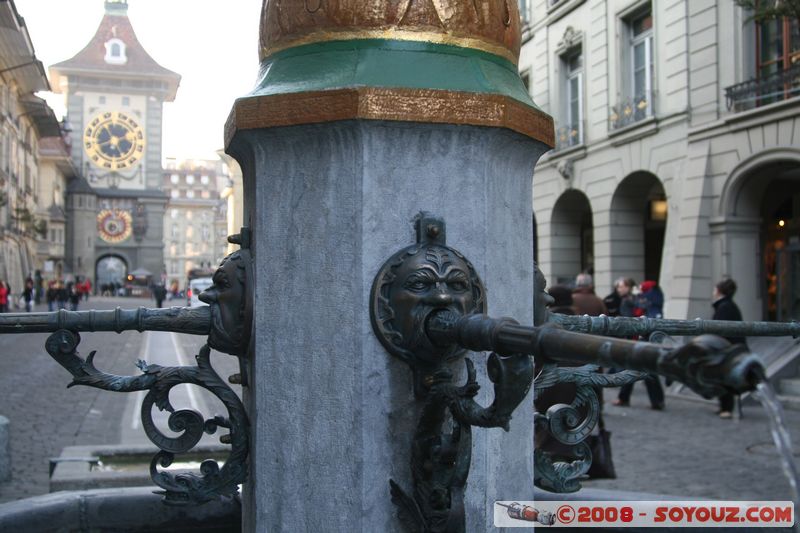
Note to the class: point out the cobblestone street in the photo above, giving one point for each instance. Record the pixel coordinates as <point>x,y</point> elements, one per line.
<point>45,416</point>
<point>686,450</point>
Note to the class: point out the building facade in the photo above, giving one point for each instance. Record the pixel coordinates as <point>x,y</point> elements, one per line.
<point>28,207</point>
<point>678,149</point>
<point>115,93</point>
<point>195,222</point>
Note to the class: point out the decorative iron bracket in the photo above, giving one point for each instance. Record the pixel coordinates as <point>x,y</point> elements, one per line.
<point>183,488</point>
<point>415,283</point>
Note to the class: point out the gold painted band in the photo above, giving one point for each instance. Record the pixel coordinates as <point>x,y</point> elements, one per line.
<point>396,35</point>
<point>405,105</point>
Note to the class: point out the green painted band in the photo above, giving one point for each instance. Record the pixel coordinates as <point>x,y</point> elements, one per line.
<point>389,64</point>
<point>391,45</point>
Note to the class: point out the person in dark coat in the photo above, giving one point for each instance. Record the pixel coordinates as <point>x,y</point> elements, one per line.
<point>584,300</point>
<point>726,309</point>
<point>27,294</point>
<point>159,293</point>
<point>562,296</point>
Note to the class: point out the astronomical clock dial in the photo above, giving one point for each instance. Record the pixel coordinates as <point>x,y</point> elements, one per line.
<point>114,225</point>
<point>114,141</point>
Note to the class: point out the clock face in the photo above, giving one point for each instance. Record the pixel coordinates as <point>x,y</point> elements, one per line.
<point>114,141</point>
<point>114,225</point>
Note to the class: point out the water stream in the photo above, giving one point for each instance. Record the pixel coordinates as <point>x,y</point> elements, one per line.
<point>783,441</point>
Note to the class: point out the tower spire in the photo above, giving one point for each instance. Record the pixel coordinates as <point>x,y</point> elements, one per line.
<point>116,7</point>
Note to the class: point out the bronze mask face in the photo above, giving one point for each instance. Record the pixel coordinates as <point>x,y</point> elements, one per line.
<point>415,282</point>
<point>228,298</point>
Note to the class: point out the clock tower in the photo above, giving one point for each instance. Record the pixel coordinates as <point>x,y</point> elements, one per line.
<point>115,93</point>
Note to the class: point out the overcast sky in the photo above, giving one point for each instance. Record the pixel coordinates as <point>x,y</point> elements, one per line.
<point>213,45</point>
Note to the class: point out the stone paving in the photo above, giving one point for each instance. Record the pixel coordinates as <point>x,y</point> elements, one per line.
<point>687,450</point>
<point>45,416</point>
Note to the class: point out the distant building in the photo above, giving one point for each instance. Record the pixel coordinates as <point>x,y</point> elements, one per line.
<point>678,149</point>
<point>195,222</point>
<point>115,94</point>
<point>28,206</point>
<point>233,194</point>
<point>56,172</point>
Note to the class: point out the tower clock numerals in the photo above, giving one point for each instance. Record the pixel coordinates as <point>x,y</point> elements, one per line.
<point>114,141</point>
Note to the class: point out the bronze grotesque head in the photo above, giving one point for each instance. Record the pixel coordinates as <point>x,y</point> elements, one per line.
<point>416,281</point>
<point>230,298</point>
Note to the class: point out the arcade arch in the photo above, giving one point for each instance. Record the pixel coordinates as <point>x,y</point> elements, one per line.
<point>638,222</point>
<point>571,237</point>
<point>757,235</point>
<point>110,269</point>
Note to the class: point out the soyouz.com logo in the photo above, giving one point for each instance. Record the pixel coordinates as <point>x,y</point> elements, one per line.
<point>745,514</point>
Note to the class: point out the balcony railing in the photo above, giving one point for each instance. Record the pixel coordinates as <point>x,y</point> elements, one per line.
<point>775,87</point>
<point>630,111</point>
<point>568,136</point>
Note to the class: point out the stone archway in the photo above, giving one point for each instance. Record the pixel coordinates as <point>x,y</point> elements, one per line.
<point>638,221</point>
<point>756,235</point>
<point>571,237</point>
<point>110,269</point>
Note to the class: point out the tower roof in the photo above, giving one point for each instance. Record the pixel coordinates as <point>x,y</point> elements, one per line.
<point>134,61</point>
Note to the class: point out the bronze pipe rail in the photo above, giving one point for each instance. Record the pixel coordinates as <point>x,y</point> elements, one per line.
<point>643,326</point>
<point>709,364</point>
<point>191,320</point>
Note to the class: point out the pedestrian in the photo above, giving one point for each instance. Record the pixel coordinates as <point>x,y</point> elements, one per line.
<point>623,288</point>
<point>61,295</point>
<point>562,296</point>
<point>74,296</point>
<point>159,292</point>
<point>27,294</point>
<point>726,309</point>
<point>38,290</point>
<point>3,297</point>
<point>50,296</point>
<point>584,300</point>
<point>649,301</point>
<point>88,286</point>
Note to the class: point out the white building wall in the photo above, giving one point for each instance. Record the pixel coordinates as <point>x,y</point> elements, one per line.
<point>695,146</point>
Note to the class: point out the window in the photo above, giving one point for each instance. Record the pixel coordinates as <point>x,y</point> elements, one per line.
<point>204,179</point>
<point>638,67</point>
<point>190,194</point>
<point>778,59</point>
<point>570,132</point>
<point>190,179</point>
<point>115,52</point>
<point>526,79</point>
<point>174,193</point>
<point>174,179</point>
<point>126,100</point>
<point>525,12</point>
<point>642,68</point>
<point>102,99</point>
<point>174,214</point>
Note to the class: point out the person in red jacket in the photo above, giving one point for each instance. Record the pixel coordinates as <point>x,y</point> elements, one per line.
<point>3,297</point>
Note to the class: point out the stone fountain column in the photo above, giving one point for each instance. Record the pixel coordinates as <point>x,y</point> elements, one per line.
<point>366,113</point>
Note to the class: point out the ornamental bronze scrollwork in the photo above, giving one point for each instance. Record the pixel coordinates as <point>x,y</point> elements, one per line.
<point>182,488</point>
